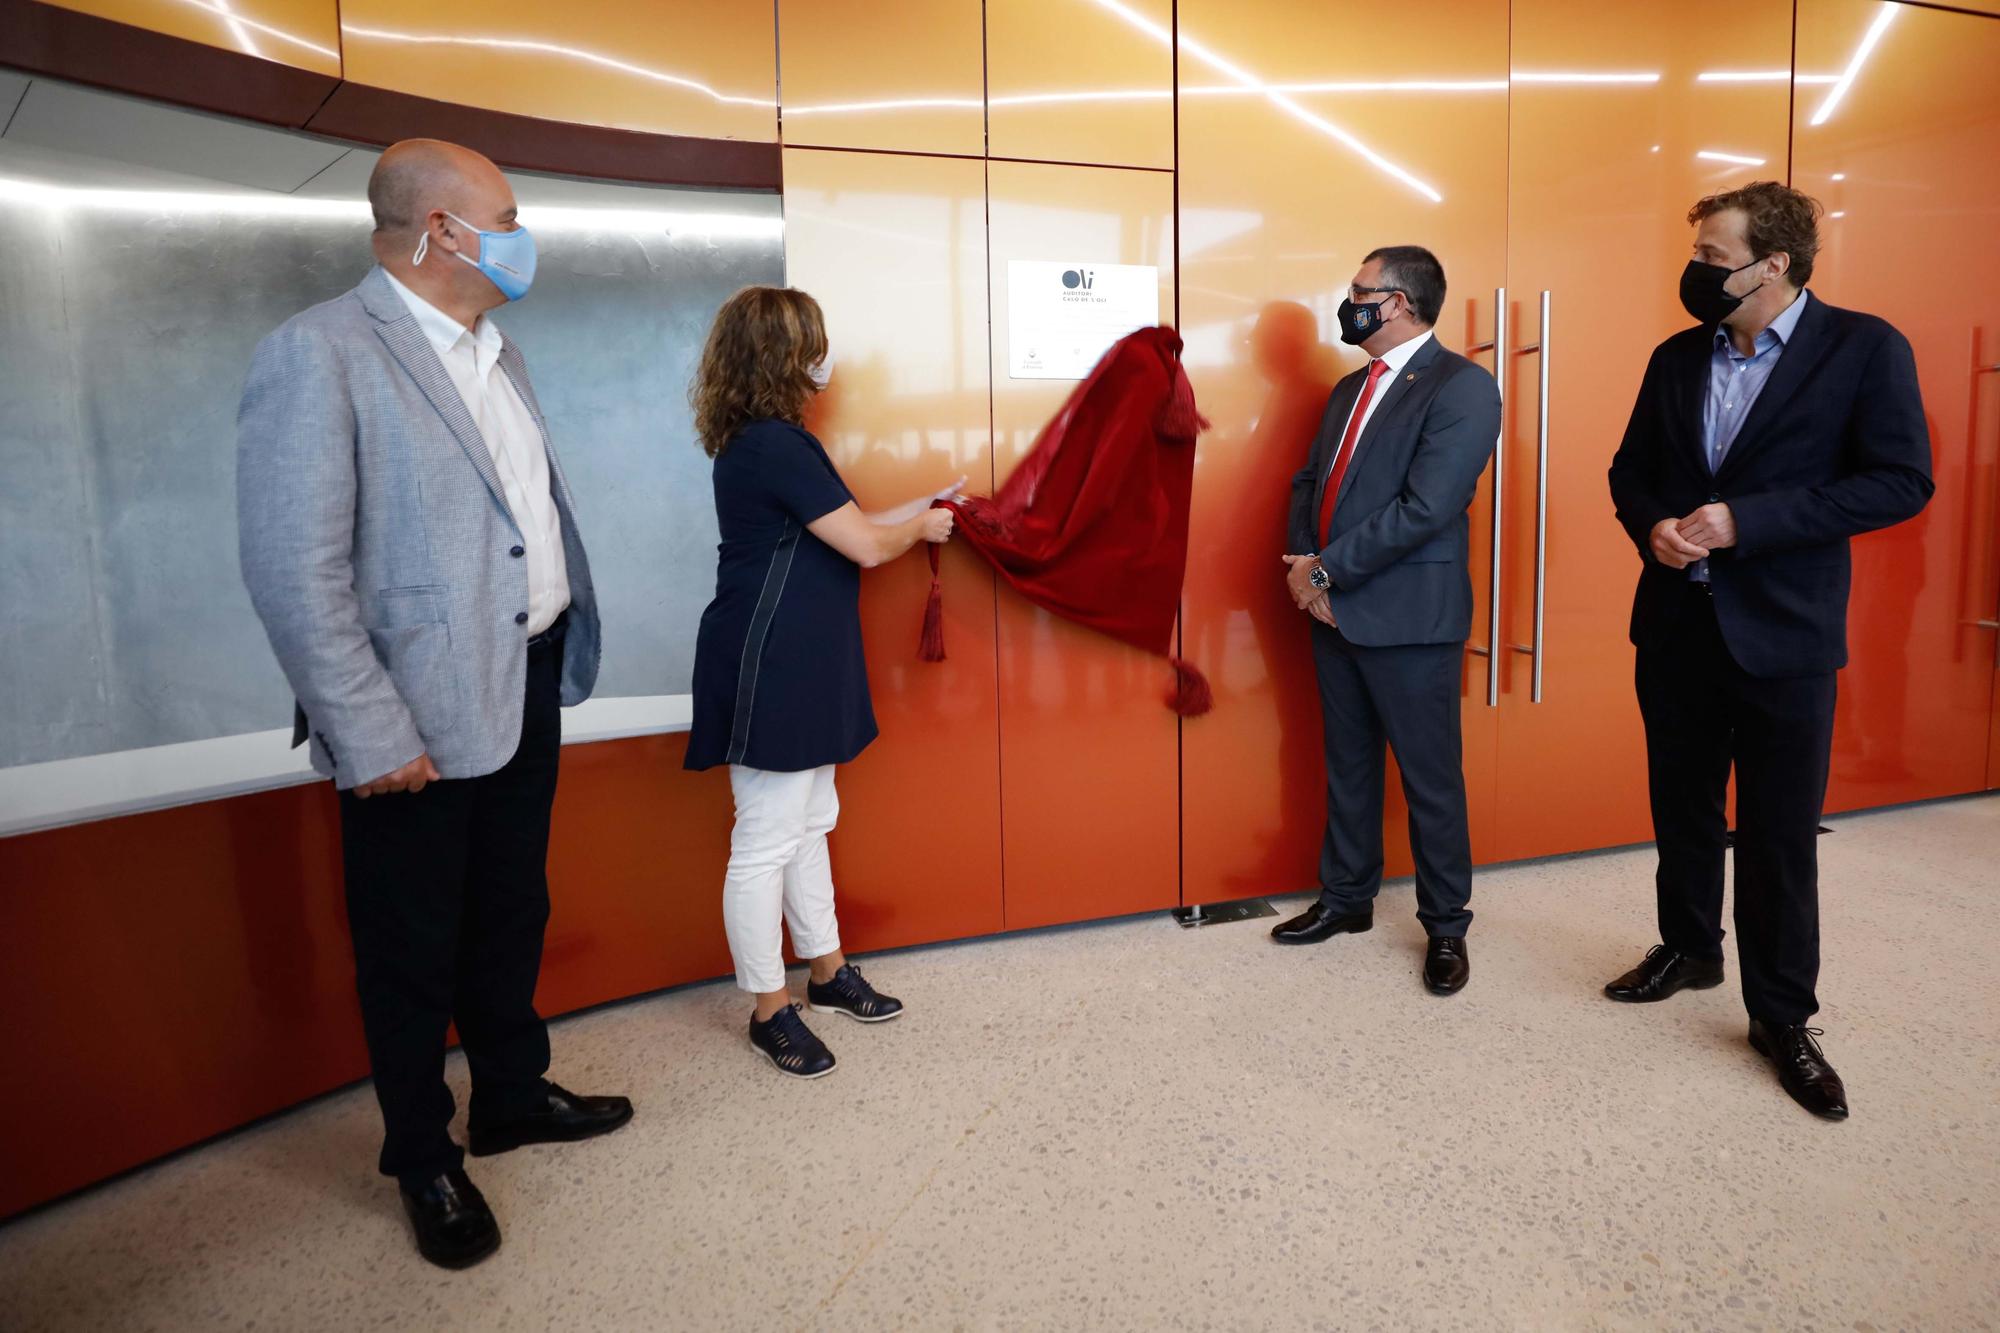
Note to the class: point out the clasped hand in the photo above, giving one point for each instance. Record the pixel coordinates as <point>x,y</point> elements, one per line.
<point>1679,542</point>
<point>1298,581</point>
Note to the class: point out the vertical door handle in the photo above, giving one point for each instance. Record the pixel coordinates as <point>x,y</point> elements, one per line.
<point>1533,648</point>
<point>1992,622</point>
<point>1499,349</point>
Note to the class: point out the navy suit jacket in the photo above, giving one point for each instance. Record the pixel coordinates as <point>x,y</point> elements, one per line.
<point>1398,547</point>
<point>1835,446</point>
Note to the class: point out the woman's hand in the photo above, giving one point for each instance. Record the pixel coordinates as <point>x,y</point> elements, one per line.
<point>938,524</point>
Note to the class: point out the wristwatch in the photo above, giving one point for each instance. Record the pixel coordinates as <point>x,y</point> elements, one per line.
<point>1318,577</point>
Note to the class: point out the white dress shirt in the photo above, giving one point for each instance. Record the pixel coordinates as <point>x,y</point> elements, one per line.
<point>1397,357</point>
<point>471,357</point>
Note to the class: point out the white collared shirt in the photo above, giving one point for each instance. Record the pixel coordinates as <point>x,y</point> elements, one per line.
<point>1397,357</point>
<point>471,358</point>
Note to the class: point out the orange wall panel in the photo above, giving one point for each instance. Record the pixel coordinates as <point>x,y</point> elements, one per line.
<point>706,68</point>
<point>1081,80</point>
<point>304,33</point>
<point>907,75</point>
<point>1889,160</point>
<point>1270,235</point>
<point>894,248</point>
<point>1610,124</point>
<point>195,962</point>
<point>1089,750</point>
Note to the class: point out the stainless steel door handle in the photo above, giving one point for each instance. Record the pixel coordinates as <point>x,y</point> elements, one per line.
<point>1533,649</point>
<point>1499,349</point>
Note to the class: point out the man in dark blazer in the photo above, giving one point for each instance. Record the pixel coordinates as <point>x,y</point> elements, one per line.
<point>1763,439</point>
<point>1380,541</point>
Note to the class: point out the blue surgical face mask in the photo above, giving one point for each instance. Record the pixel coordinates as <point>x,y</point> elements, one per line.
<point>507,258</point>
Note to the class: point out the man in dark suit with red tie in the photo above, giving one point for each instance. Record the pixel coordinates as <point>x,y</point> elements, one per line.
<point>1763,439</point>
<point>1380,545</point>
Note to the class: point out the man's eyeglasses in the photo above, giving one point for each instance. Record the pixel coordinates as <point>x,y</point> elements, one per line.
<point>1356,293</point>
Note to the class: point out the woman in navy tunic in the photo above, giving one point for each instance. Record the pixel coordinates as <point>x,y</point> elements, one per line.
<point>780,683</point>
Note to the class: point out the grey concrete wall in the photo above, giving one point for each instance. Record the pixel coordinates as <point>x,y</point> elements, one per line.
<point>124,337</point>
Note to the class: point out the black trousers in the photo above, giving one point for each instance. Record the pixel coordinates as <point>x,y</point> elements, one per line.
<point>447,897</point>
<point>1406,697</point>
<point>1703,715</point>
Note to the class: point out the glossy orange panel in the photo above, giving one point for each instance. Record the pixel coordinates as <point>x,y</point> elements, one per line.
<point>894,247</point>
<point>1081,80</point>
<point>1089,760</point>
<point>694,67</point>
<point>1279,205</point>
<point>1890,158</point>
<point>215,984</point>
<point>1614,134</point>
<point>304,33</point>
<point>908,75</point>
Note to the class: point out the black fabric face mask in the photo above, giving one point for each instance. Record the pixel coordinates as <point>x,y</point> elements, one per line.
<point>1359,323</point>
<point>1702,295</point>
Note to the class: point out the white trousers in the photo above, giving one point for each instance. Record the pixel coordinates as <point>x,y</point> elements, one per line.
<point>779,872</point>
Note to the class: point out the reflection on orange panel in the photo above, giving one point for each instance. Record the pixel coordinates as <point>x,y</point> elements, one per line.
<point>1614,135</point>
<point>895,249</point>
<point>1889,159</point>
<point>195,962</point>
<point>1270,235</point>
<point>1081,80</point>
<point>303,33</point>
<point>694,67</point>
<point>907,75</point>
<point>1089,775</point>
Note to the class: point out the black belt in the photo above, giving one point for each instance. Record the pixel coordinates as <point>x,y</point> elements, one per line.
<point>554,633</point>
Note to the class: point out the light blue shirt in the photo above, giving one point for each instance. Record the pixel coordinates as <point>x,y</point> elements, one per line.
<point>1734,381</point>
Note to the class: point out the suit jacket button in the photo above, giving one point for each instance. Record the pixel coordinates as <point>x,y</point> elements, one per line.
<point>518,551</point>
<point>520,617</point>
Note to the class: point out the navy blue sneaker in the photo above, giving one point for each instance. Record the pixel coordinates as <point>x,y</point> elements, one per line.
<point>849,993</point>
<point>786,1041</point>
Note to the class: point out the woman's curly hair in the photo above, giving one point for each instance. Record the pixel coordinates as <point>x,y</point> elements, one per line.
<point>757,363</point>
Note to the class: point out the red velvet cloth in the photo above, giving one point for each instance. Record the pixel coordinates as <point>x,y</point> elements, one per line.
<point>1093,525</point>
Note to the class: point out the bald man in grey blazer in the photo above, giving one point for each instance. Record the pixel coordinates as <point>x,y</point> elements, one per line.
<point>410,543</point>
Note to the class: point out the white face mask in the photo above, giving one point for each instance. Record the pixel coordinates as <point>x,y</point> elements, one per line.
<point>822,371</point>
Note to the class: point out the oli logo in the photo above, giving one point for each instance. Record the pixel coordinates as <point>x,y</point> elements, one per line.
<point>1077,279</point>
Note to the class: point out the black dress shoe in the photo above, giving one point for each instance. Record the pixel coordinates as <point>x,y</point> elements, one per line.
<point>1662,973</point>
<point>563,1117</point>
<point>455,1228</point>
<point>1320,922</point>
<point>1446,967</point>
<point>1802,1066</point>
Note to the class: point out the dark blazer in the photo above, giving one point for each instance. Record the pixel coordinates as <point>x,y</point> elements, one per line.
<point>1835,446</point>
<point>1400,539</point>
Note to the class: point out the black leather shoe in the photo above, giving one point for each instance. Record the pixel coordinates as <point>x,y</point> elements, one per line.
<point>455,1228</point>
<point>1802,1066</point>
<point>1446,967</point>
<point>1662,973</point>
<point>1320,922</point>
<point>563,1118</point>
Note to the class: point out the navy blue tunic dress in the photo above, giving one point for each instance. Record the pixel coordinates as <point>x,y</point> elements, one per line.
<point>779,678</point>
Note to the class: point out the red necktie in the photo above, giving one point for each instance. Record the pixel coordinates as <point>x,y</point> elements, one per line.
<point>1376,369</point>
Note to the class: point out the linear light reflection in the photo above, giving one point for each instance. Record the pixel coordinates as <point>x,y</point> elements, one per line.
<point>239,25</point>
<point>576,53</point>
<point>1762,76</point>
<point>1150,95</point>
<point>1711,155</point>
<point>237,30</point>
<point>1861,53</point>
<point>1245,79</point>
<point>1581,77</point>
<point>633,221</point>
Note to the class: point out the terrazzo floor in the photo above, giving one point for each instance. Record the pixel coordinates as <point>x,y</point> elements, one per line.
<point>1129,1125</point>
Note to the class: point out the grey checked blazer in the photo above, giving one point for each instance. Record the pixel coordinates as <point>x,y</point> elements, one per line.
<point>376,545</point>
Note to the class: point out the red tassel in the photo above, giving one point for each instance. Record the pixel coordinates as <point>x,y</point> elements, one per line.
<point>1191,697</point>
<point>1179,419</point>
<point>930,646</point>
